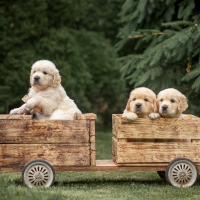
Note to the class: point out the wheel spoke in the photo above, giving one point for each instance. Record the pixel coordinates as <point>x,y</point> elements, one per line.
<point>38,173</point>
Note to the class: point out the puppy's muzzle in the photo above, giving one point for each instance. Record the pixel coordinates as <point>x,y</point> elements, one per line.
<point>138,106</point>
<point>164,108</point>
<point>36,79</point>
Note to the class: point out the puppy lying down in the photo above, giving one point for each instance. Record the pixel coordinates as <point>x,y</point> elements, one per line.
<point>47,94</point>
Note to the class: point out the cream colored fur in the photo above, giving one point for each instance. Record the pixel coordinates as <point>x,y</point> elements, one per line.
<point>142,104</point>
<point>172,104</point>
<point>47,93</point>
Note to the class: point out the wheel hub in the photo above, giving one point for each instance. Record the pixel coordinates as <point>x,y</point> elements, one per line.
<point>38,177</point>
<point>182,175</point>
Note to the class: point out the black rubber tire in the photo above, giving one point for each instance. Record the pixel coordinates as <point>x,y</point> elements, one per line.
<point>161,174</point>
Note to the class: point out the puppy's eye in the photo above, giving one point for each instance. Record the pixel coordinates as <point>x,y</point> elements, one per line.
<point>134,99</point>
<point>172,100</point>
<point>146,99</point>
<point>161,100</point>
<point>34,71</point>
<point>44,72</point>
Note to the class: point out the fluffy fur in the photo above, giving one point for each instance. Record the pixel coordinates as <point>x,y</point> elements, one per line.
<point>171,103</point>
<point>47,93</point>
<point>142,104</point>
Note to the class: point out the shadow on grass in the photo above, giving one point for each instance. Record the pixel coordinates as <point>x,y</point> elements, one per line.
<point>96,182</point>
<point>110,182</point>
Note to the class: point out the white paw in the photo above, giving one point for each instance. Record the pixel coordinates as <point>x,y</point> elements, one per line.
<point>15,111</point>
<point>130,116</point>
<point>154,115</point>
<point>30,103</point>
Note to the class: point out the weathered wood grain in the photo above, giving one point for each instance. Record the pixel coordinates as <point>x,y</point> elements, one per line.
<point>44,131</point>
<point>144,152</point>
<point>86,116</point>
<point>15,117</point>
<point>55,154</point>
<point>173,128</point>
<point>92,142</point>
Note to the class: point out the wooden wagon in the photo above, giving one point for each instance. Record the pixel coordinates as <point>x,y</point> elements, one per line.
<point>38,148</point>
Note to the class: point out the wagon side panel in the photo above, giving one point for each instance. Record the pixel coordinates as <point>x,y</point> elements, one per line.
<point>146,142</point>
<point>60,142</point>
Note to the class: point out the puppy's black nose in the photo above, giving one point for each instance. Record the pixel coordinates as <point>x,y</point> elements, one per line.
<point>164,107</point>
<point>138,105</point>
<point>36,78</point>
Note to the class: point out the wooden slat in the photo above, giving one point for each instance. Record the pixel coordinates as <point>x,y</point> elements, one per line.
<point>173,128</point>
<point>92,142</point>
<point>143,152</point>
<point>116,119</point>
<point>101,165</point>
<point>86,116</point>
<point>59,155</point>
<point>44,131</point>
<point>15,117</point>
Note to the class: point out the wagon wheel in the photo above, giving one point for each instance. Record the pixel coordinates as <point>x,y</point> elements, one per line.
<point>181,172</point>
<point>161,174</point>
<point>38,173</point>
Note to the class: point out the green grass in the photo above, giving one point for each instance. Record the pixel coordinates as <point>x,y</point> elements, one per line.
<point>97,185</point>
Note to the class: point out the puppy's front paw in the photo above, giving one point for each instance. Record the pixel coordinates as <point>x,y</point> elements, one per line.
<point>130,116</point>
<point>154,115</point>
<point>30,104</point>
<point>15,111</point>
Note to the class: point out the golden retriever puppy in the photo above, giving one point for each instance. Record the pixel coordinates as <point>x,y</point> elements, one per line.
<point>47,93</point>
<point>142,104</point>
<point>171,103</point>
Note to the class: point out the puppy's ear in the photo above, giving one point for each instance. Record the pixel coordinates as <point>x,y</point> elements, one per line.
<point>155,105</point>
<point>128,105</point>
<point>183,105</point>
<point>56,79</point>
<point>31,74</point>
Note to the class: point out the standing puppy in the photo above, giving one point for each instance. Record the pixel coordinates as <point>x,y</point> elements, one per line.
<point>142,104</point>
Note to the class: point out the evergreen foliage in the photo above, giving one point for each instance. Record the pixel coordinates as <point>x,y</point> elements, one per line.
<point>73,36</point>
<point>160,46</point>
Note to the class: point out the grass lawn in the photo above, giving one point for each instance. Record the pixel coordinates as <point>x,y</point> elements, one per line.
<point>98,185</point>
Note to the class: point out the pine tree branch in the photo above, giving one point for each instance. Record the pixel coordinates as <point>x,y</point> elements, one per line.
<point>177,23</point>
<point>144,35</point>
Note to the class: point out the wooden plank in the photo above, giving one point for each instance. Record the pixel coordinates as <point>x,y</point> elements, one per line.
<point>143,152</point>
<point>114,149</point>
<point>173,128</point>
<point>93,158</point>
<point>115,121</point>
<point>44,131</point>
<point>27,117</point>
<point>92,141</point>
<point>92,131</point>
<point>55,154</point>
<point>86,116</point>
<point>101,165</point>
